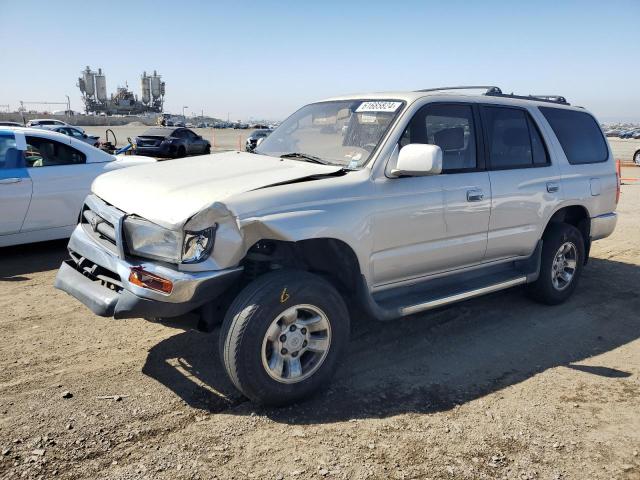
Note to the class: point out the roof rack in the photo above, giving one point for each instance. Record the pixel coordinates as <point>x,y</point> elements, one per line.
<point>489,89</point>
<point>493,91</point>
<point>537,98</point>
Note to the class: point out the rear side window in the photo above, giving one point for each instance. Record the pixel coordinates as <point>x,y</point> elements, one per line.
<point>513,139</point>
<point>579,135</point>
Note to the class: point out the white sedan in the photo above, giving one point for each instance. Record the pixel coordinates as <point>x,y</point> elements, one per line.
<point>44,178</point>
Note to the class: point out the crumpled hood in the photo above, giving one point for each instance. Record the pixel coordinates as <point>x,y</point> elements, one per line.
<point>169,193</point>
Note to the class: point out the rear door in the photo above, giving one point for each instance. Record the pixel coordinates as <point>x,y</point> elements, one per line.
<point>15,184</point>
<point>525,185</point>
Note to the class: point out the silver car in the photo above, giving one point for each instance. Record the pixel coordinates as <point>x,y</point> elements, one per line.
<point>49,122</point>
<point>74,132</point>
<point>396,203</point>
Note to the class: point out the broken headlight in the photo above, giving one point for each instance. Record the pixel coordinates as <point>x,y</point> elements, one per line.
<point>197,246</point>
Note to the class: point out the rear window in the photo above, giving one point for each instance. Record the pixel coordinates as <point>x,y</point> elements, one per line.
<point>579,135</point>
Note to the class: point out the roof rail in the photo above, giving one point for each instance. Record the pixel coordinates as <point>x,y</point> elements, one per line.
<point>489,89</point>
<point>536,98</point>
<point>493,91</point>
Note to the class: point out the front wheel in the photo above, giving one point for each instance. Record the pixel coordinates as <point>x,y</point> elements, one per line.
<point>561,264</point>
<point>283,336</point>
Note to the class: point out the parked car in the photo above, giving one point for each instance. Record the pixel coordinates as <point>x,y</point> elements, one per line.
<point>42,122</point>
<point>44,178</point>
<point>76,133</point>
<point>427,198</point>
<point>625,134</point>
<point>252,140</point>
<point>172,142</point>
<point>6,123</point>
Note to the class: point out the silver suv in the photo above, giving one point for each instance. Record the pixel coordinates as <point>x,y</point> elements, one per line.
<point>396,203</point>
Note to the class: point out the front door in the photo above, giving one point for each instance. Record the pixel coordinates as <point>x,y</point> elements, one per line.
<point>61,180</point>
<point>15,185</point>
<point>433,224</point>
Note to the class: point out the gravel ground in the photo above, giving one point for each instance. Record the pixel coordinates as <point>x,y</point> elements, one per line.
<point>496,387</point>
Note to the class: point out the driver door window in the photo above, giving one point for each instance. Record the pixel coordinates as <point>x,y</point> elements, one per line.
<point>451,127</point>
<point>43,152</point>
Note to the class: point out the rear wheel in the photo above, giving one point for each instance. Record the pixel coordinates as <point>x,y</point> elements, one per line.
<point>561,264</point>
<point>283,336</point>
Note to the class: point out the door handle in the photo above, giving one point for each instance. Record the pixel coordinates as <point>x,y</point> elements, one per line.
<point>552,187</point>
<point>6,181</point>
<point>474,195</point>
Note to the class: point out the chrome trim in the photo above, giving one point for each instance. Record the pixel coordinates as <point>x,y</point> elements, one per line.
<point>438,302</point>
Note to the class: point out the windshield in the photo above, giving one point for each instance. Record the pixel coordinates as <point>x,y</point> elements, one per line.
<point>340,132</point>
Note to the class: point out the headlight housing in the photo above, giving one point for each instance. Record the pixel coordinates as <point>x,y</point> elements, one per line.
<point>197,246</point>
<point>146,239</point>
<point>149,240</point>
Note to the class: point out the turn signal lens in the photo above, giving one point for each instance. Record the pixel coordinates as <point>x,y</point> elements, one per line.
<point>148,280</point>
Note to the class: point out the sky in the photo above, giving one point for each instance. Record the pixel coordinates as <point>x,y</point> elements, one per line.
<point>263,60</point>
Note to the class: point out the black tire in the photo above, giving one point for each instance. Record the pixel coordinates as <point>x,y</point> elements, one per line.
<point>207,150</point>
<point>543,289</point>
<point>250,315</point>
<point>182,152</point>
<point>636,158</point>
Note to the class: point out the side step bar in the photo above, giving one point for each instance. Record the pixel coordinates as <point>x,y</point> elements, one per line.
<point>439,302</point>
<point>438,292</point>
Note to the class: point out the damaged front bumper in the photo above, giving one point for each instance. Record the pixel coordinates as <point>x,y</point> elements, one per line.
<point>99,279</point>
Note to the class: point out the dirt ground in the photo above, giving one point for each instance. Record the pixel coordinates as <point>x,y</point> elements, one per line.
<point>496,387</point>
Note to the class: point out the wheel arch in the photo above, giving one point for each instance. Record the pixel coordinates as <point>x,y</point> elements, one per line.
<point>328,257</point>
<point>576,215</point>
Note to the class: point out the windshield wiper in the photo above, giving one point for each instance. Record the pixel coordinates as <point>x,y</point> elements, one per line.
<point>305,156</point>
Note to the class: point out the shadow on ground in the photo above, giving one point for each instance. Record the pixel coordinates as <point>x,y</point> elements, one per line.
<point>21,260</point>
<point>433,361</point>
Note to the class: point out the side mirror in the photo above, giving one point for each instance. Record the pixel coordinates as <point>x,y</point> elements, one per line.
<point>418,159</point>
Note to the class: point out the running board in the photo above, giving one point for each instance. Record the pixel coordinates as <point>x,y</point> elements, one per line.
<point>440,302</point>
<point>437,292</point>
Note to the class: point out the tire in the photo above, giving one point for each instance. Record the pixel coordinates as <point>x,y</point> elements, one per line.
<point>545,289</point>
<point>636,158</point>
<point>207,150</point>
<point>182,152</point>
<point>247,353</point>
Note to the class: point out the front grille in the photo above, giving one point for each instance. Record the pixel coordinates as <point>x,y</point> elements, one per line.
<point>101,222</point>
<point>99,225</point>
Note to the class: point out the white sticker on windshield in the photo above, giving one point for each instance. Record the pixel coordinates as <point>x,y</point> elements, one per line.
<point>368,118</point>
<point>378,107</point>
